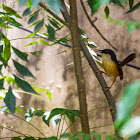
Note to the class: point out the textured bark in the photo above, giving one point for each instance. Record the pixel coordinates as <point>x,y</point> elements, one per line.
<point>78,66</point>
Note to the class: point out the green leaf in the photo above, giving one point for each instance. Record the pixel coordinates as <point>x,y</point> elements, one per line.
<point>54,24</point>
<point>34,23</point>
<point>95,4</point>
<point>44,42</point>
<point>32,34</point>
<point>98,137</point>
<point>14,22</point>
<point>127,103</point>
<point>33,17</point>
<point>1,37</point>
<point>29,3</point>
<point>1,83</point>
<point>133,8</point>
<point>39,113</point>
<point>24,85</point>
<point>50,138</point>
<point>130,127</point>
<point>86,137</point>
<point>29,138</point>
<point>16,138</point>
<point>65,135</point>
<point>36,53</point>
<point>10,79</point>
<point>55,5</point>
<point>20,54</point>
<point>39,25</point>
<point>131,3</point>
<point>29,114</point>
<point>135,137</point>
<point>48,93</point>
<point>106,10</point>
<point>70,113</point>
<point>1,68</point>
<point>51,32</point>
<point>32,43</point>
<point>10,101</point>
<point>131,27</point>
<point>27,12</point>
<point>7,51</point>
<point>19,110</point>
<point>117,2</point>
<point>10,10</point>
<point>34,3</point>
<point>22,2</point>
<point>22,69</point>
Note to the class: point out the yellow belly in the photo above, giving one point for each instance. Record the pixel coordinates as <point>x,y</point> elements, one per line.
<point>110,67</point>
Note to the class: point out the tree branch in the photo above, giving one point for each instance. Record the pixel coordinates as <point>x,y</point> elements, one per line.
<point>53,14</point>
<point>78,66</point>
<point>93,25</point>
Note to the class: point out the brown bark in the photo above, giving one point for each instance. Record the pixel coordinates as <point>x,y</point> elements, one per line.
<point>78,66</point>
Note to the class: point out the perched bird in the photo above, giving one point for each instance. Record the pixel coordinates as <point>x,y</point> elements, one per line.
<point>111,65</point>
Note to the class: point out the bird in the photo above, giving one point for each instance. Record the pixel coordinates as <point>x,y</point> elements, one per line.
<point>111,66</point>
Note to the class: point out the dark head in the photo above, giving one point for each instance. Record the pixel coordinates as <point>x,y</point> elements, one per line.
<point>107,51</point>
<point>110,52</point>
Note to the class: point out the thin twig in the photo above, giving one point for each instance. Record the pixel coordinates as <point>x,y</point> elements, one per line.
<point>62,127</point>
<point>93,25</point>
<point>101,126</point>
<point>53,14</point>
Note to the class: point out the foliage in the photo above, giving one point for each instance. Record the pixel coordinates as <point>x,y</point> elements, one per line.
<point>8,18</point>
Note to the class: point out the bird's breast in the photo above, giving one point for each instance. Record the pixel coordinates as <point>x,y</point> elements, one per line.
<point>110,66</point>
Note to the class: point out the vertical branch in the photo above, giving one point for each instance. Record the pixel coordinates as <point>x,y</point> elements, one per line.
<point>78,66</point>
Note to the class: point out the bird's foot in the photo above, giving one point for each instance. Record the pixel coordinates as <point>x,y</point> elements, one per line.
<point>107,88</point>
<point>101,72</point>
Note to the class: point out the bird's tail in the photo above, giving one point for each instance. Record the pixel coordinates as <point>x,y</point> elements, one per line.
<point>128,59</point>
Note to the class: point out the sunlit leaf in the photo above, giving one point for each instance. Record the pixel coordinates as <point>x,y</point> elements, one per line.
<point>33,17</point>
<point>10,101</point>
<point>131,27</point>
<point>10,79</point>
<point>55,5</point>
<point>39,25</point>
<point>22,69</point>
<point>29,3</point>
<point>31,43</point>
<point>95,4</point>
<point>20,54</point>
<point>29,114</point>
<point>24,85</point>
<point>130,127</point>
<point>7,51</point>
<point>44,42</point>
<point>133,8</point>
<point>127,103</point>
<point>55,120</point>
<point>106,10</point>
<point>48,93</point>
<point>10,10</point>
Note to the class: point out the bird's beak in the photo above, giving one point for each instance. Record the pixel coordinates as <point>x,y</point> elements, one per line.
<point>99,51</point>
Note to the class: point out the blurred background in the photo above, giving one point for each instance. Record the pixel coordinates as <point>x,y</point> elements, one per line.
<point>54,70</point>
